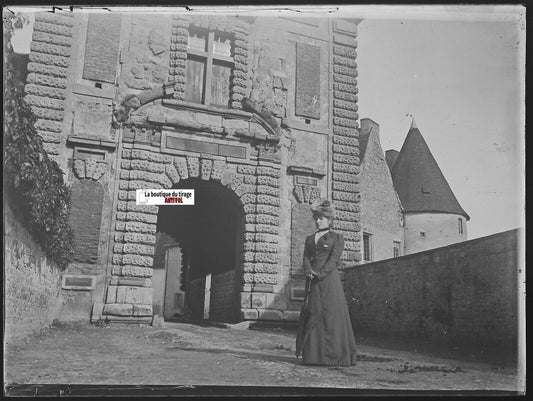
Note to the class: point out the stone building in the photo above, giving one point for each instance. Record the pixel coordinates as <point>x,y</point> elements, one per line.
<point>406,203</point>
<point>257,114</point>
<point>432,215</point>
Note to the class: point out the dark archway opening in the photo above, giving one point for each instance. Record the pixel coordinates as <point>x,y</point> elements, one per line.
<point>210,235</point>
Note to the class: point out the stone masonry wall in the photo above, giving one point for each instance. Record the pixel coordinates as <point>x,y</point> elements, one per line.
<point>461,293</point>
<point>47,80</point>
<point>32,286</point>
<point>345,175</point>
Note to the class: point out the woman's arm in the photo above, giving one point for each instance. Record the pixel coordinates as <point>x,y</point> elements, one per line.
<point>307,259</point>
<point>333,258</point>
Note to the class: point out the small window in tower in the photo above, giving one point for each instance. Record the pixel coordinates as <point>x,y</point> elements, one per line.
<point>460,225</point>
<point>367,247</point>
<point>425,191</point>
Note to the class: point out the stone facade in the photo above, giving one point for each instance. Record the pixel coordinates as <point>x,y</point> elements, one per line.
<point>381,213</point>
<point>125,123</point>
<point>462,293</point>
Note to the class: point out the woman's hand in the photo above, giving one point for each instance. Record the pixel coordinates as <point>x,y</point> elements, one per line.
<point>311,275</point>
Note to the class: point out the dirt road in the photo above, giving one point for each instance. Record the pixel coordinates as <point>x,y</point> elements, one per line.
<point>185,354</point>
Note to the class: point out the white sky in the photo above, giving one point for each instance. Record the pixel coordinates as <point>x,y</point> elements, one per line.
<point>460,72</point>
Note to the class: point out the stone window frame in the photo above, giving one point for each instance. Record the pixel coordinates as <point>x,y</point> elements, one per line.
<point>368,247</point>
<point>209,59</point>
<point>460,225</point>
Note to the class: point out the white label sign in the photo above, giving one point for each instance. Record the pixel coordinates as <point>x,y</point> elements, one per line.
<point>165,197</point>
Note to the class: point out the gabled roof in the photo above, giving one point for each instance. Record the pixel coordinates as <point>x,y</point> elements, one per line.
<point>419,181</point>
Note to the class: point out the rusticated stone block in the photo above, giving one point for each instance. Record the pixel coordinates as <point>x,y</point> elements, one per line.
<point>250,179</point>
<point>343,70</point>
<point>267,219</point>
<point>118,309</point>
<point>119,237</point>
<point>244,189</point>
<point>135,227</point>
<point>268,200</point>
<point>344,131</point>
<point>127,195</point>
<point>51,70</point>
<point>248,247</point>
<point>248,278</point>
<point>346,225</point>
<point>43,83</point>
<point>45,91</point>
<point>346,141</point>
<point>270,268</point>
<point>49,48</point>
<point>263,228</point>
<point>248,198</point>
<point>345,51</point>
<point>139,238</point>
<point>136,271</point>
<point>51,148</point>
<point>120,226</point>
<point>139,154</point>
<point>206,166</point>
<point>142,310</point>
<point>345,114</point>
<point>349,235</point>
<point>352,246</point>
<point>181,166</point>
<point>346,168</point>
<point>263,278</point>
<point>268,171</point>
<point>142,217</point>
<point>345,96</point>
<point>57,19</point>
<point>249,314</point>
<point>236,181</point>
<point>118,248</point>
<point>345,122</point>
<point>268,190</point>
<point>134,295</point>
<point>246,170</point>
<point>52,39</point>
<point>258,300</point>
<point>139,249</point>
<point>193,166</point>
<point>99,171</point>
<point>137,260</point>
<point>268,314</point>
<point>249,208</point>
<point>125,164</point>
<point>248,256</point>
<point>270,181</point>
<point>342,104</point>
<point>133,207</point>
<point>218,169</point>
<point>346,177</point>
<point>172,173</point>
<point>266,257</point>
<point>250,219</point>
<point>248,267</point>
<point>246,300</point>
<point>347,216</point>
<point>344,61</point>
<point>47,125</point>
<point>49,59</point>
<point>227,177</point>
<point>344,196</point>
<point>340,158</point>
<point>268,209</point>
<point>147,166</point>
<point>263,237</point>
<point>345,84</point>
<point>344,186</point>
<point>266,247</point>
<point>79,168</point>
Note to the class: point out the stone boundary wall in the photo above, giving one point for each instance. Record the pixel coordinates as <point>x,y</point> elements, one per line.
<point>32,283</point>
<point>465,293</point>
<point>48,72</point>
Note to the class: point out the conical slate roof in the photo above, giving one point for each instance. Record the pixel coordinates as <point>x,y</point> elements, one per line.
<point>419,181</point>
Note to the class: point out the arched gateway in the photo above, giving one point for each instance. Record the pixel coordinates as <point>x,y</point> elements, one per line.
<point>229,239</point>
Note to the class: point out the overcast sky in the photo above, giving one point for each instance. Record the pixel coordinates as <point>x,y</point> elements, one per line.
<point>460,72</point>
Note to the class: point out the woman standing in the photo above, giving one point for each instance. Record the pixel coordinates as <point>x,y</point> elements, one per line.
<point>327,335</point>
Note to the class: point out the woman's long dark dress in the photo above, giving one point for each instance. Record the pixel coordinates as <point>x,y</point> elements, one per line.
<point>330,340</point>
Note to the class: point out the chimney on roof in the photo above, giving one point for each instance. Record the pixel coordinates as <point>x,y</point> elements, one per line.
<point>390,156</point>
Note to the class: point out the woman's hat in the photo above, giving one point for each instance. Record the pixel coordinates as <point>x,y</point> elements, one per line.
<point>323,208</point>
